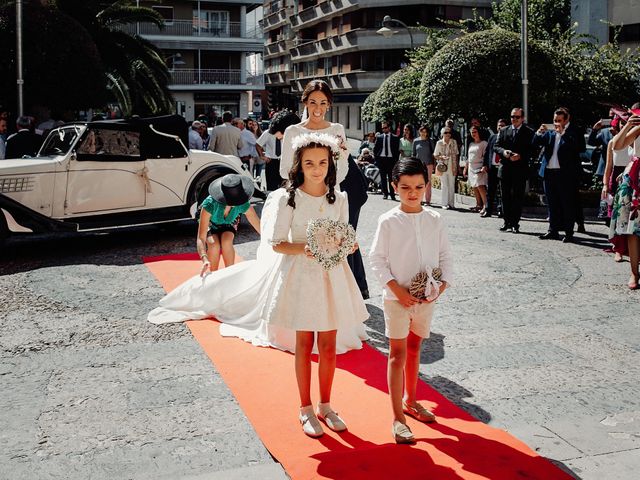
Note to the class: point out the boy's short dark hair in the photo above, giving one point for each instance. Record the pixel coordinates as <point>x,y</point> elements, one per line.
<point>408,166</point>
<point>282,120</point>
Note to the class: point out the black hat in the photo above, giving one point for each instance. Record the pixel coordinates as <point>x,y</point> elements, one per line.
<point>232,189</point>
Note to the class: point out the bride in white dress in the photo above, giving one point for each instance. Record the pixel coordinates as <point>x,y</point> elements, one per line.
<point>264,301</point>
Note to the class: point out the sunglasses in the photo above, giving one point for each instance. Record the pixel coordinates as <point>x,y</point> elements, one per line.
<point>516,116</point>
<point>447,133</point>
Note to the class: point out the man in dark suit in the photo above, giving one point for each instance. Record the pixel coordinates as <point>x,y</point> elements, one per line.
<point>355,185</point>
<point>560,171</point>
<point>492,164</point>
<point>24,141</point>
<point>386,153</point>
<point>514,147</point>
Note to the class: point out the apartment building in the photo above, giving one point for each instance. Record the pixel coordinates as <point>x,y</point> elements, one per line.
<point>337,40</point>
<point>206,44</point>
<point>601,19</point>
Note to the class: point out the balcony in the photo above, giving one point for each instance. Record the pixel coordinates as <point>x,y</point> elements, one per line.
<point>279,79</point>
<point>278,48</point>
<point>322,12</point>
<point>355,81</point>
<point>217,79</point>
<point>277,19</point>
<point>193,28</point>
<point>359,39</point>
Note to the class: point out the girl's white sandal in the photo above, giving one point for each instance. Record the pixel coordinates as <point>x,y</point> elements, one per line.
<point>310,424</point>
<point>331,418</point>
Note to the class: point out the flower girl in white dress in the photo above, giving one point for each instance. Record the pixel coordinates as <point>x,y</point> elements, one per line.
<point>285,298</point>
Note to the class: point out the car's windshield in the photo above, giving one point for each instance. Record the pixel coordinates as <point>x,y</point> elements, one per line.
<point>60,140</point>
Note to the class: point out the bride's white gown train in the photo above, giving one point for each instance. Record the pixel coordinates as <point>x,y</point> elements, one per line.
<point>241,295</point>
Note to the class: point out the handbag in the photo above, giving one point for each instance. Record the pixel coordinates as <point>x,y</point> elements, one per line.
<point>441,166</point>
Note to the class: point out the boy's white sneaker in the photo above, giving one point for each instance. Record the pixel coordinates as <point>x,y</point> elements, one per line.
<point>310,424</point>
<point>402,433</point>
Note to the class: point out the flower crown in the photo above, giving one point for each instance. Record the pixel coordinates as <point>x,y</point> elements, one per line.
<point>305,139</point>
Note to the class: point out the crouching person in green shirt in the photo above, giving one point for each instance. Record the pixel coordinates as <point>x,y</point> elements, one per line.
<point>219,218</point>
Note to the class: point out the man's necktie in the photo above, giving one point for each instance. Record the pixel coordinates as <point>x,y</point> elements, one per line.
<point>278,147</point>
<point>386,146</point>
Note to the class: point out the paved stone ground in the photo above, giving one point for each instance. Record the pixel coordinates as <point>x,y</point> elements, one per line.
<point>539,338</point>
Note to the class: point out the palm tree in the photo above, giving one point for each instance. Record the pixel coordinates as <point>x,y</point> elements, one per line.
<point>137,76</point>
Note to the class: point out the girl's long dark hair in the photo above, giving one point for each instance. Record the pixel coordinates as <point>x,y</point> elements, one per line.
<point>296,177</point>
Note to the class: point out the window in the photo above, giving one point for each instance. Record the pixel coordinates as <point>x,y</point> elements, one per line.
<point>103,144</point>
<point>327,66</point>
<point>212,22</point>
<point>337,64</point>
<point>309,69</point>
<point>165,12</point>
<point>347,120</point>
<point>337,110</point>
<point>359,119</point>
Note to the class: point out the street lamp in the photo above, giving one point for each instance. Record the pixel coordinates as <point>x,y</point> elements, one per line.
<point>176,59</point>
<point>19,79</point>
<point>386,32</point>
<point>524,59</point>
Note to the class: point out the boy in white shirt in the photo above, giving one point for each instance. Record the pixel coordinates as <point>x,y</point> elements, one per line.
<point>409,239</point>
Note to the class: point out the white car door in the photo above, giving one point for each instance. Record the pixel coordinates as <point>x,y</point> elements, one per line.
<point>107,173</point>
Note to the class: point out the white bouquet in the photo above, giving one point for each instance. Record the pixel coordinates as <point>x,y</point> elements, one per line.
<point>330,241</point>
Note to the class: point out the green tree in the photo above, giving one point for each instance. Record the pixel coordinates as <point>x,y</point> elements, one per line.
<point>397,98</point>
<point>546,19</point>
<point>62,69</point>
<point>136,73</point>
<point>479,74</point>
<point>591,77</point>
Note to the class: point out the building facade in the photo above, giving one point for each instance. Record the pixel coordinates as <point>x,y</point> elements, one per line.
<point>602,18</point>
<point>206,45</point>
<point>338,42</point>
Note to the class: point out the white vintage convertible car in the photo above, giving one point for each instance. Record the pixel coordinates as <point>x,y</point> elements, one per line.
<point>109,174</point>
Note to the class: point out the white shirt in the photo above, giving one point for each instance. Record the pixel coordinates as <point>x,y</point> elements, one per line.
<point>268,144</point>
<point>386,147</point>
<point>622,157</point>
<point>554,163</point>
<point>406,243</point>
<point>248,143</point>
<point>195,140</point>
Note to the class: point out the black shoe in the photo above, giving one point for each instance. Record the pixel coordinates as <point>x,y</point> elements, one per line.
<point>504,228</point>
<point>385,197</point>
<point>515,229</point>
<point>550,236</point>
<point>485,214</point>
<point>568,239</point>
<point>581,228</point>
<point>365,294</point>
<point>393,199</point>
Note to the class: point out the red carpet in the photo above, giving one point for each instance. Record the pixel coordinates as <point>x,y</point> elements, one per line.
<point>263,381</point>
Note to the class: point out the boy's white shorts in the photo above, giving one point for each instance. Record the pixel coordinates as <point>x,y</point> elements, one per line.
<point>398,320</point>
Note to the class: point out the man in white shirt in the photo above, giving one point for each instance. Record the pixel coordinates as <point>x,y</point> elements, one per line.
<point>560,170</point>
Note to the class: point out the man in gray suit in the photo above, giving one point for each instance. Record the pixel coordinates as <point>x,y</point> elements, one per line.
<point>226,139</point>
